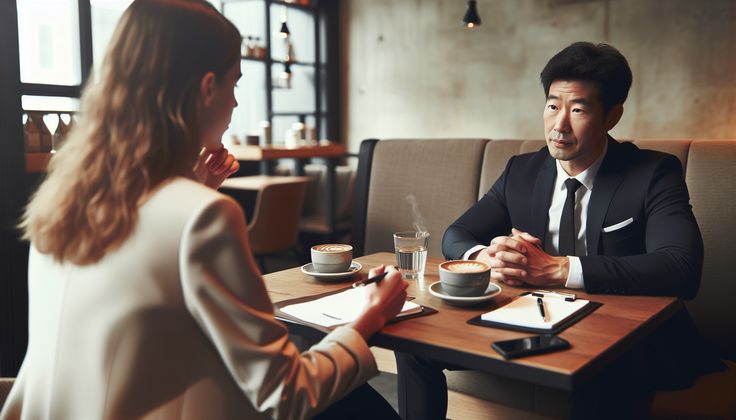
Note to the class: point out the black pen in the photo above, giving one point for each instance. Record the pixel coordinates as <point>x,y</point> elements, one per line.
<point>374,279</point>
<point>540,305</point>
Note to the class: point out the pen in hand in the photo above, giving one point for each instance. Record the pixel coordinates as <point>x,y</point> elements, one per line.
<point>374,279</point>
<point>540,305</point>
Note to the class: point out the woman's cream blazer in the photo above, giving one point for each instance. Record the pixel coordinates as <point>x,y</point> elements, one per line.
<point>174,324</point>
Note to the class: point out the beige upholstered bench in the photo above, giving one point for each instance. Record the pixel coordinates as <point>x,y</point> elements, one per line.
<point>446,176</point>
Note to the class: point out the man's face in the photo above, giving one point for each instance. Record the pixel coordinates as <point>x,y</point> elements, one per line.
<point>574,124</point>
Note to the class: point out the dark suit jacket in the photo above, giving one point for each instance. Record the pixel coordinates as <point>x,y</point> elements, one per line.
<point>660,253</point>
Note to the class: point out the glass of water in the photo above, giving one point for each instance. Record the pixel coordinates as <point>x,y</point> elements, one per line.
<point>411,253</point>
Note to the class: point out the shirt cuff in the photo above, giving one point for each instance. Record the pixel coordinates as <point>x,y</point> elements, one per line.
<point>575,274</point>
<point>469,252</point>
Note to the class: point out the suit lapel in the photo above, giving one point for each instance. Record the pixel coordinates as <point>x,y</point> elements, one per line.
<point>541,198</point>
<point>606,183</point>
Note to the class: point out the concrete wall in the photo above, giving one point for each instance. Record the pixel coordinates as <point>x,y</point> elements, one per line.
<point>413,71</point>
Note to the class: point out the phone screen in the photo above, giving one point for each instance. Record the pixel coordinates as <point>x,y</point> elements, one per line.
<point>530,345</point>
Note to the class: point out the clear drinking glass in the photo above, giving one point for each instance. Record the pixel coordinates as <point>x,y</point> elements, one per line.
<point>411,253</point>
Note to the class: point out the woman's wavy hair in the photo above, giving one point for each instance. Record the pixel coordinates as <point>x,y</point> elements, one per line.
<point>137,127</point>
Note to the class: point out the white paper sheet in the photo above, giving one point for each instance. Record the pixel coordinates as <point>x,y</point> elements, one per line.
<point>523,312</point>
<point>340,308</point>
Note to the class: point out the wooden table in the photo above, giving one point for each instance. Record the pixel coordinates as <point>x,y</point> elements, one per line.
<point>596,340</point>
<point>330,153</point>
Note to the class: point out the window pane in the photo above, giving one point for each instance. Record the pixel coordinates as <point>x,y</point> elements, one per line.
<point>249,18</point>
<point>251,97</point>
<point>300,97</point>
<point>301,28</point>
<point>105,16</point>
<point>48,38</point>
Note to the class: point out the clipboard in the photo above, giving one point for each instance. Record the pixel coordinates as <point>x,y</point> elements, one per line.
<point>283,316</point>
<point>506,318</point>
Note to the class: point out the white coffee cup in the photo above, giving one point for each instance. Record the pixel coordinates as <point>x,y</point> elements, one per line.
<point>332,258</point>
<point>464,277</point>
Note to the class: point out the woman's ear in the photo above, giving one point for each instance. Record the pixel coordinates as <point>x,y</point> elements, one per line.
<point>614,115</point>
<point>207,88</point>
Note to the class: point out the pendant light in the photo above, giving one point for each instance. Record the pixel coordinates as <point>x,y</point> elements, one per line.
<point>284,31</point>
<point>471,18</point>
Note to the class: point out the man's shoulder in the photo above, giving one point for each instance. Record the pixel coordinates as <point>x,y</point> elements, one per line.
<point>531,160</point>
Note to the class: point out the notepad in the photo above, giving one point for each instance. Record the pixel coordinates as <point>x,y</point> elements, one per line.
<point>523,312</point>
<point>338,309</point>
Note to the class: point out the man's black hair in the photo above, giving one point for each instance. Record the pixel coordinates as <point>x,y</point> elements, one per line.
<point>600,64</point>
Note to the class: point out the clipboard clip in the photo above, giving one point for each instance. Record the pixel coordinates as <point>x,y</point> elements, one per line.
<point>569,297</point>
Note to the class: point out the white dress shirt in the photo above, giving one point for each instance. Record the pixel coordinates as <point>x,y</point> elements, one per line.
<point>582,199</point>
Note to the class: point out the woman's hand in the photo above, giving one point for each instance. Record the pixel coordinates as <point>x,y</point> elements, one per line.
<point>213,167</point>
<point>385,300</point>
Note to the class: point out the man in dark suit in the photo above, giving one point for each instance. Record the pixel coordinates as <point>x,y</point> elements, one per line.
<point>586,212</point>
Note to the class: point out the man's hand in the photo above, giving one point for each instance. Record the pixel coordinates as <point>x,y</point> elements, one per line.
<point>213,167</point>
<point>519,259</point>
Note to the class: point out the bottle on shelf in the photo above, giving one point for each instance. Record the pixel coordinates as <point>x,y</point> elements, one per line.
<point>259,50</point>
<point>31,135</point>
<point>40,138</point>
<point>248,46</point>
<point>266,133</point>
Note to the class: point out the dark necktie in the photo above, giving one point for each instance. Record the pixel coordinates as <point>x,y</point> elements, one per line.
<point>568,233</point>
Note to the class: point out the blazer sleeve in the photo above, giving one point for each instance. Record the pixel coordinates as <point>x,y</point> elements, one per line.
<point>225,294</point>
<point>673,259</point>
<point>482,222</point>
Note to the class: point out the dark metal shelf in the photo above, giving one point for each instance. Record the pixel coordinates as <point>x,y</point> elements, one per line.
<point>308,8</point>
<point>272,61</point>
<point>38,89</point>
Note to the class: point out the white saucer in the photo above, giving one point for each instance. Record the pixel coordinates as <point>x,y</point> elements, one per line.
<point>308,269</point>
<point>436,290</point>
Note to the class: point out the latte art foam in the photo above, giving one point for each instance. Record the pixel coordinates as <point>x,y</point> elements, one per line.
<point>332,248</point>
<point>465,267</point>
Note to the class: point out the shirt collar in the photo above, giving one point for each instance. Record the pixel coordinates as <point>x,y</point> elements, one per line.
<point>587,177</point>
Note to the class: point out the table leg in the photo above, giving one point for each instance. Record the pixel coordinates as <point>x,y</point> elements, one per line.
<point>299,167</point>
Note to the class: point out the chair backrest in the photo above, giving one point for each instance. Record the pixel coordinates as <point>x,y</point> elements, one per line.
<point>275,223</point>
<point>416,179</point>
<point>5,385</point>
<point>711,180</point>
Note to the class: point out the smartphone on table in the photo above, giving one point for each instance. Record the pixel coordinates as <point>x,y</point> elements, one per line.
<point>527,346</point>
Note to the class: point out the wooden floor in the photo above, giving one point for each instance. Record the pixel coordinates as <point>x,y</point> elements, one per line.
<point>462,406</point>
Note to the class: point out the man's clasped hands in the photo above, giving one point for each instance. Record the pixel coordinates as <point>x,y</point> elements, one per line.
<point>518,258</point>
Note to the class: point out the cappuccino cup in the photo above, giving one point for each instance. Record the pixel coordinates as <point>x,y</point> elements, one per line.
<point>332,258</point>
<point>464,277</point>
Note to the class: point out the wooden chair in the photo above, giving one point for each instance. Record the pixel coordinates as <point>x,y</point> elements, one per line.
<point>274,226</point>
<point>5,385</point>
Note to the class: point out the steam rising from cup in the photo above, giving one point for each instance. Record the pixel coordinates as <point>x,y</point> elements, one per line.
<point>419,224</point>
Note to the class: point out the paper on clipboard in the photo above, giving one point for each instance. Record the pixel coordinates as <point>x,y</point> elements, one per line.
<point>338,309</point>
<point>523,312</point>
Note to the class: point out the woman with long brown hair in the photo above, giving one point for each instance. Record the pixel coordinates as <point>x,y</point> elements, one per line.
<point>145,301</point>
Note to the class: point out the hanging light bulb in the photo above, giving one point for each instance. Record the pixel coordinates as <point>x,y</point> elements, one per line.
<point>286,76</point>
<point>284,31</point>
<point>471,18</point>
